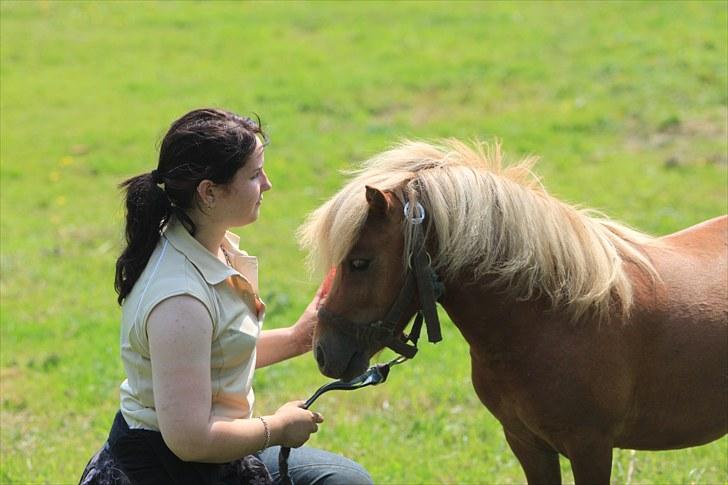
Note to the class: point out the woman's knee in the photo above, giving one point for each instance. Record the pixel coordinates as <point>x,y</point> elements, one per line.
<point>313,466</point>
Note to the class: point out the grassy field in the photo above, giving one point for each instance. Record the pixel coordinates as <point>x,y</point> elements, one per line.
<point>626,103</point>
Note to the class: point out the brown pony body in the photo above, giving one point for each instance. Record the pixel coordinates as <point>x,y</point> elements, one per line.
<point>583,334</point>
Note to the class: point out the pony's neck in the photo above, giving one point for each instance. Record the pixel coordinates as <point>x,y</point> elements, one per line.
<point>484,315</point>
<point>533,246</point>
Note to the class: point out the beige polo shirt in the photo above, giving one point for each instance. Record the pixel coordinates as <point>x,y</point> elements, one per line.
<point>180,265</point>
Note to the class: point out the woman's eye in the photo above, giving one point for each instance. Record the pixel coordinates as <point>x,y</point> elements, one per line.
<point>359,264</point>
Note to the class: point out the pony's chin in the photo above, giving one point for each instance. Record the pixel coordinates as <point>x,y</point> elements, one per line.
<point>358,364</point>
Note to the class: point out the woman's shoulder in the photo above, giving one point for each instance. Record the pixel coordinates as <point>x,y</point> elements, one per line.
<point>174,280</point>
<point>174,272</point>
<point>180,271</point>
<point>169,273</point>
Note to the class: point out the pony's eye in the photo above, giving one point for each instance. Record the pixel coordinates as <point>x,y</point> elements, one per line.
<point>359,264</point>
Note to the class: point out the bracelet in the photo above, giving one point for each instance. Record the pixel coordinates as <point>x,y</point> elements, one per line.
<point>267,432</point>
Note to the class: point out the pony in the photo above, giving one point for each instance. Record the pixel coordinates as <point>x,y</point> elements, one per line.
<point>584,334</point>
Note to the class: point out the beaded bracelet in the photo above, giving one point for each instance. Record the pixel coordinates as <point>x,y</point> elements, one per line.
<point>267,432</point>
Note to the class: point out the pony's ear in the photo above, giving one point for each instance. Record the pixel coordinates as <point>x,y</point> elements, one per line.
<point>378,202</point>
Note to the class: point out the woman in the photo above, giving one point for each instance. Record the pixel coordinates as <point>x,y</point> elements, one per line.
<point>191,323</point>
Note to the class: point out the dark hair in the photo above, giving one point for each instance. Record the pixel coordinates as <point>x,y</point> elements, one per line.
<point>205,144</point>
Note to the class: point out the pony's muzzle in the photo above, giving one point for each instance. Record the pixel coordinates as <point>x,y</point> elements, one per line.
<point>320,357</point>
<point>340,359</point>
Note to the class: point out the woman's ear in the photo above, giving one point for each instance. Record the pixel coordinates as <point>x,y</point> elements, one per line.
<point>206,193</point>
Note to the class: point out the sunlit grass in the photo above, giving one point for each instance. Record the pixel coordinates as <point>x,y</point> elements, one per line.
<point>624,102</point>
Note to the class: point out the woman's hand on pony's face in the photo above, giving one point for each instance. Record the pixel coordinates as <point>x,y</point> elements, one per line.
<point>304,327</point>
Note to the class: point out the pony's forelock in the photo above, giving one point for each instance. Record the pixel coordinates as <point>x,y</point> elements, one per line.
<point>495,220</point>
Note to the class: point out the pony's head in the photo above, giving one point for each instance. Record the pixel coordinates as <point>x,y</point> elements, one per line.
<point>485,223</point>
<point>363,288</point>
<point>364,240</point>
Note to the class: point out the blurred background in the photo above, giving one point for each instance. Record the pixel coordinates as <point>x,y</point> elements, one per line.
<point>625,103</point>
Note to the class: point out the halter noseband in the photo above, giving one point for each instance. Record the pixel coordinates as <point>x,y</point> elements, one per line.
<point>420,281</point>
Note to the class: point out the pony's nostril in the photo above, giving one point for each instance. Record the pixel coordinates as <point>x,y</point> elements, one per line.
<point>320,358</point>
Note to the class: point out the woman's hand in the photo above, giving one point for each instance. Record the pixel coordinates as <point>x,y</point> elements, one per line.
<point>302,330</point>
<point>283,343</point>
<point>296,424</point>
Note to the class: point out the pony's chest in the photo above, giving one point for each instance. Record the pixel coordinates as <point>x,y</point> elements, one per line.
<point>496,375</point>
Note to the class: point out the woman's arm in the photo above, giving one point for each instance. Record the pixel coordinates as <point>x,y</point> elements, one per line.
<point>283,343</point>
<point>180,333</point>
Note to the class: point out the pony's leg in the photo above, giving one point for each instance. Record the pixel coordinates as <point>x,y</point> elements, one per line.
<point>591,463</point>
<point>540,464</point>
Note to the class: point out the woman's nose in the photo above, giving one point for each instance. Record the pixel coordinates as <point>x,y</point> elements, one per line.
<point>267,185</point>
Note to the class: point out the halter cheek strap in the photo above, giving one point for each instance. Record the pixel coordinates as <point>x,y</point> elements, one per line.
<point>429,286</point>
<point>430,289</point>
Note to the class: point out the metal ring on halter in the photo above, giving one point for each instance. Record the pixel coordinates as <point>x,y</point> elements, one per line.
<point>419,216</point>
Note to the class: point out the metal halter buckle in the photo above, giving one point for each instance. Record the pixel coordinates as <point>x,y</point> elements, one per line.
<point>418,217</point>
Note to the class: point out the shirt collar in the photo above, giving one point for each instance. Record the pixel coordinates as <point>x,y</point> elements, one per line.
<point>212,269</point>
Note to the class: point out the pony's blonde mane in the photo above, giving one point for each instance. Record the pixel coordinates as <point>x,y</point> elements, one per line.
<point>491,220</point>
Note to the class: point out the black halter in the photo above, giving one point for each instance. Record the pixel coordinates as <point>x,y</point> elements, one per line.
<point>421,282</point>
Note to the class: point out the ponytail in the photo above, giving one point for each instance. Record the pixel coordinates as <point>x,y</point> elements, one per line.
<point>147,211</point>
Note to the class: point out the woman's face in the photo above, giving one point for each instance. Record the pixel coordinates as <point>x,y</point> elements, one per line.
<point>241,200</point>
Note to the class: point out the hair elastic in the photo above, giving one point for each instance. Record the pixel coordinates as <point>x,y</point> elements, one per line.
<point>156,176</point>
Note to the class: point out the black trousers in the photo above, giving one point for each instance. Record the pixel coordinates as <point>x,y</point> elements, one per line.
<point>142,457</point>
<point>145,458</point>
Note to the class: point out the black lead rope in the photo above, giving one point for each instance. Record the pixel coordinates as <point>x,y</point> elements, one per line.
<point>375,375</point>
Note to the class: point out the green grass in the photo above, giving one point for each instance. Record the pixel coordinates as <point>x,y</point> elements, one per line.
<point>626,103</point>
